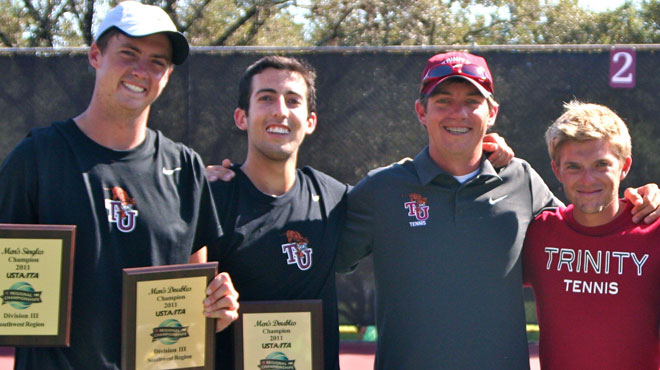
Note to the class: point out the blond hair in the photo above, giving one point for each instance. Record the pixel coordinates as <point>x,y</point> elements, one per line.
<point>584,121</point>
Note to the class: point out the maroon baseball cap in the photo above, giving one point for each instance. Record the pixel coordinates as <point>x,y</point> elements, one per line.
<point>441,67</point>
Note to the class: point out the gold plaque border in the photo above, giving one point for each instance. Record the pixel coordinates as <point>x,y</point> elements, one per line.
<point>67,234</point>
<point>313,306</point>
<point>131,276</point>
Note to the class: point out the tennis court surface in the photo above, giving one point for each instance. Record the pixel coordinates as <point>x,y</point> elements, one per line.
<point>353,356</point>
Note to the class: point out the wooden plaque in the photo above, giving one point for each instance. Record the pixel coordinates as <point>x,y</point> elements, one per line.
<point>36,278</point>
<point>163,322</point>
<point>279,335</point>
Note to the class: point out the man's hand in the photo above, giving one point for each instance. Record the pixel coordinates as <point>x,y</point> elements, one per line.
<point>500,153</point>
<point>645,200</point>
<point>215,172</point>
<point>222,301</point>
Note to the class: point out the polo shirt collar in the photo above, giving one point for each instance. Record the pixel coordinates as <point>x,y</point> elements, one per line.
<point>427,170</point>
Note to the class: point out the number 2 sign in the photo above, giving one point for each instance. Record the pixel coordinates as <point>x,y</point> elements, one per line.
<point>622,68</point>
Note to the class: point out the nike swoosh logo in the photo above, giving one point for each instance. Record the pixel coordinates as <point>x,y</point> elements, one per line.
<point>492,201</point>
<point>168,172</point>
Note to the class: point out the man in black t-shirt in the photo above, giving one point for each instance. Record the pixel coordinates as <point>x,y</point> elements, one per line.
<point>137,198</point>
<point>281,223</point>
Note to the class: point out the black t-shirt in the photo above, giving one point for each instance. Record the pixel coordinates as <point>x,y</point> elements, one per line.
<point>282,248</point>
<point>147,206</point>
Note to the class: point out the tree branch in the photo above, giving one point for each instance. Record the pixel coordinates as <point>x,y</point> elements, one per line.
<point>43,22</point>
<point>197,14</point>
<point>335,27</point>
<point>169,8</point>
<point>259,21</point>
<point>249,13</point>
<point>477,31</point>
<point>5,40</point>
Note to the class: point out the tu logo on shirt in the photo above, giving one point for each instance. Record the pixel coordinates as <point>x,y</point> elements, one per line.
<point>120,210</point>
<point>417,208</point>
<point>297,250</point>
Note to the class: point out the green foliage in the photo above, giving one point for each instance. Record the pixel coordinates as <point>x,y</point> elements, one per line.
<point>392,22</point>
<point>27,23</point>
<point>10,29</point>
<point>650,16</point>
<point>429,22</point>
<point>259,23</point>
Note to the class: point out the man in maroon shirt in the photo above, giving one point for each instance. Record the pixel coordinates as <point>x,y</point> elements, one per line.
<point>595,273</point>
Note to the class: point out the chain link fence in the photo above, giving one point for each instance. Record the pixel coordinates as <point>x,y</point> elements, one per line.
<point>365,106</point>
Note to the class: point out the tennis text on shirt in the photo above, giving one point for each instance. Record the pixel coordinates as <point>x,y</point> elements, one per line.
<point>600,262</point>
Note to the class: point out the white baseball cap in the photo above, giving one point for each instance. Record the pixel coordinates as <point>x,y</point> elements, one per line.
<point>137,20</point>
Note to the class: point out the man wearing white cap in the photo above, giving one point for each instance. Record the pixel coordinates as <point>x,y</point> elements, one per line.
<point>136,197</point>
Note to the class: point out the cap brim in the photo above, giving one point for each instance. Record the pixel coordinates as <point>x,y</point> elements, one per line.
<point>481,89</point>
<point>180,48</point>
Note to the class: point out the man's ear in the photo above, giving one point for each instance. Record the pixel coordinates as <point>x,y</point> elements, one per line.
<point>169,71</point>
<point>555,169</point>
<point>627,162</point>
<point>492,114</point>
<point>421,112</point>
<point>94,55</point>
<point>240,119</point>
<point>311,123</point>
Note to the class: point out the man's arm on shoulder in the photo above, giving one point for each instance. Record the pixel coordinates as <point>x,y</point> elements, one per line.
<point>220,172</point>
<point>356,239</point>
<point>498,152</point>
<point>645,200</point>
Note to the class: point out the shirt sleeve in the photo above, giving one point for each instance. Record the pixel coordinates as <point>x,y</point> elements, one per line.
<point>356,241</point>
<point>542,197</point>
<point>18,185</point>
<point>526,256</point>
<point>208,231</point>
